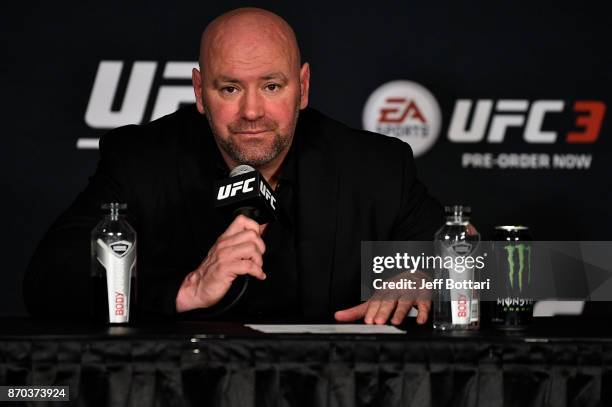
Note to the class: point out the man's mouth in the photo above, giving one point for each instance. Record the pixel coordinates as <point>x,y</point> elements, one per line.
<point>251,132</point>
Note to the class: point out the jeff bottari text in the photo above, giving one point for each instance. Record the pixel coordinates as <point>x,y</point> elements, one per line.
<point>435,284</point>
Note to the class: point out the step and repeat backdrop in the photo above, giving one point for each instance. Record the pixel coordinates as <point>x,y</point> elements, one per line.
<point>505,105</point>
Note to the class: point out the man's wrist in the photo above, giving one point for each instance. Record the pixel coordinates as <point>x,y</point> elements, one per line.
<point>186,298</point>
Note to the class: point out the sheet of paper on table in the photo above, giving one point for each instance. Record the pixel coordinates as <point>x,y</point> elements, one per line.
<point>326,329</point>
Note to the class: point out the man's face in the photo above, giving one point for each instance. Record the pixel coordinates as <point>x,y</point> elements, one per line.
<point>251,91</point>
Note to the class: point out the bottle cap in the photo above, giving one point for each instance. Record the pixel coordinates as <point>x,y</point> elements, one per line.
<point>114,206</point>
<point>458,210</point>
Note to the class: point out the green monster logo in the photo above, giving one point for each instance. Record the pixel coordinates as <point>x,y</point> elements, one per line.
<point>521,250</point>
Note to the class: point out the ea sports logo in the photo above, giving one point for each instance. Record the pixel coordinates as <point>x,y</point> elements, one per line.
<point>405,110</point>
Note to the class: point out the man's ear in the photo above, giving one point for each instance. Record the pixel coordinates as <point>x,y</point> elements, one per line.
<point>196,80</point>
<point>304,85</point>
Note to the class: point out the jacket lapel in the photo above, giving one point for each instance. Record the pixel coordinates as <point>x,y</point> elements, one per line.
<point>197,169</point>
<point>316,214</point>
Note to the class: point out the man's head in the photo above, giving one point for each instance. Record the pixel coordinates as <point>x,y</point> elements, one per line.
<point>251,85</point>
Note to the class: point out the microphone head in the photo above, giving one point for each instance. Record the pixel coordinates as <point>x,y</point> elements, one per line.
<point>241,169</point>
<point>246,192</point>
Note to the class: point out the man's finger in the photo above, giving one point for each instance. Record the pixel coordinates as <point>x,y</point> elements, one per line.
<point>373,306</point>
<point>351,314</point>
<point>241,267</point>
<point>239,224</point>
<point>242,237</point>
<point>423,308</point>
<point>242,251</point>
<point>384,311</point>
<point>402,309</point>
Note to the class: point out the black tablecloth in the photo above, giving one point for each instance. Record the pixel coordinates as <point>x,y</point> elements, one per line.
<point>560,362</point>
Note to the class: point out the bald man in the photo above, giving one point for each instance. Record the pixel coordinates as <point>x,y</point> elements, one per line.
<point>336,186</point>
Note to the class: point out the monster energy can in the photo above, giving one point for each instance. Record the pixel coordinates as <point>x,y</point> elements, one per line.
<point>512,248</point>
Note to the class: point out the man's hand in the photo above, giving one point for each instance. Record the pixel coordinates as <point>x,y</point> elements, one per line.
<point>377,311</point>
<point>238,251</point>
<point>384,303</point>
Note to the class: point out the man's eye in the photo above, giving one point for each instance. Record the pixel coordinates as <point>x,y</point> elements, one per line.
<point>272,87</point>
<point>229,90</point>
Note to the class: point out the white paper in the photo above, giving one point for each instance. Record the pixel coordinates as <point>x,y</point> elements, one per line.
<point>326,329</point>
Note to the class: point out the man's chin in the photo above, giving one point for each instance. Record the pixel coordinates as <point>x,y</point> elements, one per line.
<point>256,149</point>
<point>256,161</point>
<point>253,151</point>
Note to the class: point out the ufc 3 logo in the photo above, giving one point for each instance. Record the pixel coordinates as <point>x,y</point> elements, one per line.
<point>397,110</point>
<point>100,113</point>
<point>589,117</point>
<point>226,191</point>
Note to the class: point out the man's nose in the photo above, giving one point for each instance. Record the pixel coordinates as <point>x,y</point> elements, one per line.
<point>252,105</point>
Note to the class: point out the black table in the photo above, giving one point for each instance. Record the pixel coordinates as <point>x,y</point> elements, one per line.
<point>558,362</point>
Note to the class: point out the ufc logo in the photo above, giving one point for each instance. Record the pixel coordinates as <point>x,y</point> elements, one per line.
<point>265,192</point>
<point>229,190</point>
<point>519,113</point>
<point>100,113</point>
<point>398,110</point>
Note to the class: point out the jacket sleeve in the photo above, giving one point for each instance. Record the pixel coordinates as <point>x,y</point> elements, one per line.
<point>420,214</point>
<point>57,282</point>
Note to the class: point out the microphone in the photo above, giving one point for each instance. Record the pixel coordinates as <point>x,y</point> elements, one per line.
<point>246,192</point>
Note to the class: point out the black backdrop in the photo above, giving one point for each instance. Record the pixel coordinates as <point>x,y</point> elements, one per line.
<point>53,54</point>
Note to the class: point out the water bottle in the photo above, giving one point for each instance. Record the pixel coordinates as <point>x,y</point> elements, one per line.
<point>455,308</point>
<point>113,267</point>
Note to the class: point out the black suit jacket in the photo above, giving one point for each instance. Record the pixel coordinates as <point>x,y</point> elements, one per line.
<point>352,186</point>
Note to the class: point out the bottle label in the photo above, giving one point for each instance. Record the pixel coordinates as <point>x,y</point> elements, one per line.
<point>460,308</point>
<point>464,302</point>
<point>118,259</point>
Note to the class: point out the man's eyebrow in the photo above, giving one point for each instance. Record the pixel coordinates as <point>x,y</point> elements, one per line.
<point>224,79</point>
<point>275,75</point>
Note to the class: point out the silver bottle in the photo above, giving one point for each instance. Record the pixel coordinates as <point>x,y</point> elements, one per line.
<point>113,267</point>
